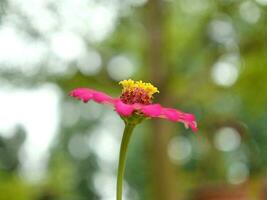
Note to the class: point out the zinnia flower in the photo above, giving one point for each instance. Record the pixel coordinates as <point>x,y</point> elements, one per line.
<point>134,105</point>
<point>136,98</point>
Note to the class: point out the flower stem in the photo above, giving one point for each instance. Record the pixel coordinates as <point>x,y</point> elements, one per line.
<point>122,159</point>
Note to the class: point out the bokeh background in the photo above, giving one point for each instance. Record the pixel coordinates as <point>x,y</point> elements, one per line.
<point>206,57</point>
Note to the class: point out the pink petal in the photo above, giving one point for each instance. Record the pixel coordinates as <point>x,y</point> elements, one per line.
<point>178,116</point>
<point>153,110</point>
<point>171,114</point>
<point>188,116</point>
<point>123,109</point>
<point>86,95</point>
<point>101,97</point>
<point>82,93</point>
<point>156,110</point>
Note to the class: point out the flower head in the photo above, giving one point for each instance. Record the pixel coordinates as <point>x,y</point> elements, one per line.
<point>136,98</point>
<point>137,92</point>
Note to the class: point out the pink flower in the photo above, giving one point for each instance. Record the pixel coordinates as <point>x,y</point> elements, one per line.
<point>136,98</point>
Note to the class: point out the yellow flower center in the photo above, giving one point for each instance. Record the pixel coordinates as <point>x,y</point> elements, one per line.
<point>137,92</point>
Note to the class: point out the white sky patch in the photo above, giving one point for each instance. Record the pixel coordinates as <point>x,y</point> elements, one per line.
<point>225,71</point>
<point>17,49</point>
<point>238,173</point>
<point>102,20</point>
<point>90,63</point>
<point>67,45</point>
<point>262,2</point>
<point>58,67</point>
<point>107,148</point>
<point>120,67</point>
<point>250,12</point>
<point>42,18</point>
<point>224,74</point>
<point>227,139</point>
<point>37,110</point>
<point>180,150</point>
<point>105,186</point>
<point>78,147</point>
<point>94,20</point>
<point>137,2</point>
<point>194,6</point>
<point>221,30</point>
<point>63,25</point>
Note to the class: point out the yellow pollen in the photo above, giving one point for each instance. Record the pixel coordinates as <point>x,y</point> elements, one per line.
<point>130,85</point>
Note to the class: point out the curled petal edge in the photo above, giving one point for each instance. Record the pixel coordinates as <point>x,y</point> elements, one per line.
<point>156,110</point>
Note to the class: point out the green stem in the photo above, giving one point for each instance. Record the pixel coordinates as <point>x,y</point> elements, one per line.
<point>122,159</point>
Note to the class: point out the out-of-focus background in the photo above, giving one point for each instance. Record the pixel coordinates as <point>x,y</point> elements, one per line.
<point>206,57</point>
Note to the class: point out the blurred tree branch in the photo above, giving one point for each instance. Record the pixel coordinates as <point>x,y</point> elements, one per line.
<point>165,177</point>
